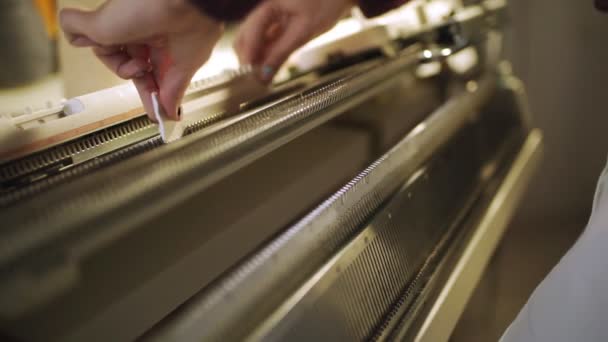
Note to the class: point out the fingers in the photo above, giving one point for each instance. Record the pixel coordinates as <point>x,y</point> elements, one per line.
<point>138,51</point>
<point>294,36</point>
<point>82,30</point>
<point>139,64</point>
<point>175,66</point>
<point>114,23</point>
<point>133,68</point>
<point>144,82</point>
<point>121,62</point>
<point>251,39</point>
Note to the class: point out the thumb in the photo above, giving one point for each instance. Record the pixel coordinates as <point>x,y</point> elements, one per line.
<point>110,24</point>
<point>76,24</point>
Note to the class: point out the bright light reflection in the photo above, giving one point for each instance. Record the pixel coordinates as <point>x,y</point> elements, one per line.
<point>419,129</point>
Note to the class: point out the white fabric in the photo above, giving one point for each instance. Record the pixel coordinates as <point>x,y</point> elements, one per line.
<point>571,303</point>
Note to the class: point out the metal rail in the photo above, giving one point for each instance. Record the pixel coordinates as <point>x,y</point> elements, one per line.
<point>459,287</point>
<point>315,238</point>
<point>71,221</point>
<point>85,148</point>
<point>466,27</point>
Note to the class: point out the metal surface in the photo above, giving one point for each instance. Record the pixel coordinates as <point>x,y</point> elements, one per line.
<point>88,147</point>
<point>87,213</point>
<point>222,80</point>
<point>356,293</point>
<point>40,172</point>
<point>349,270</point>
<point>454,296</point>
<point>366,286</point>
<point>467,26</point>
<point>109,157</point>
<point>207,99</point>
<point>315,238</point>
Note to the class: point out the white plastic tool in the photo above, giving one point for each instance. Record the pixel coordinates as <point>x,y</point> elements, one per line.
<point>170,130</point>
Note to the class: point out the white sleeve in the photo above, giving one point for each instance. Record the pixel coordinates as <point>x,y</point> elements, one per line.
<point>571,303</point>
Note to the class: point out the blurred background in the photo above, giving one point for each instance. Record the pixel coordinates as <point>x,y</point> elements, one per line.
<point>558,48</point>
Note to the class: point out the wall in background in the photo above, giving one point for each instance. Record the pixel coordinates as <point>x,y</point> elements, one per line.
<point>560,49</point>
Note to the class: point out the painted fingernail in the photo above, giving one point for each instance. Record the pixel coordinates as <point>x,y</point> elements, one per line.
<point>267,72</point>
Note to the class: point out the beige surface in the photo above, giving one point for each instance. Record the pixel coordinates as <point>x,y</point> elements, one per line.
<point>37,95</point>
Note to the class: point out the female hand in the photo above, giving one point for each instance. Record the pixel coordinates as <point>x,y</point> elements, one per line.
<point>159,44</point>
<point>276,28</point>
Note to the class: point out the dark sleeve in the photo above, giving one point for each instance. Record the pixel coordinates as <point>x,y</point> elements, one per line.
<point>226,10</point>
<point>231,10</point>
<point>372,8</point>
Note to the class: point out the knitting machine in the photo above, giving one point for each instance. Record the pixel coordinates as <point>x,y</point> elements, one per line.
<point>359,197</point>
